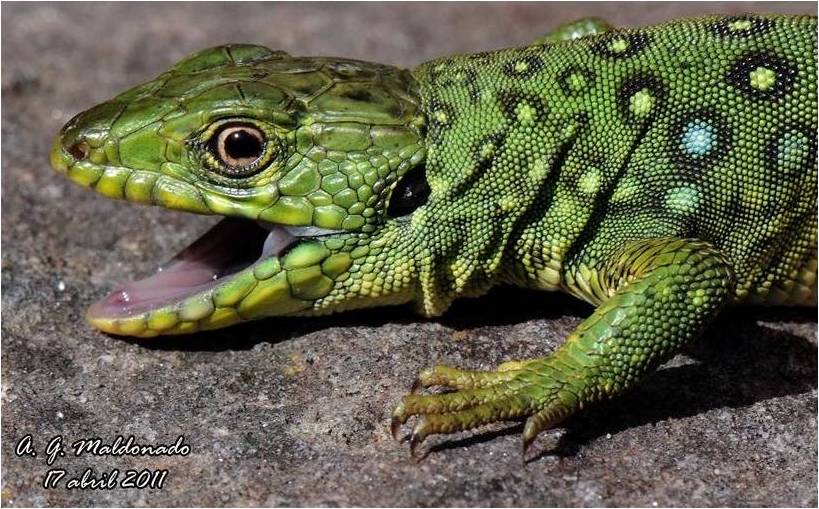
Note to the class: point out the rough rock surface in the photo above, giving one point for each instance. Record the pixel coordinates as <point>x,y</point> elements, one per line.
<point>295,411</point>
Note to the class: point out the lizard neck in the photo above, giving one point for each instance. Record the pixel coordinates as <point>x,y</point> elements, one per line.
<point>490,183</point>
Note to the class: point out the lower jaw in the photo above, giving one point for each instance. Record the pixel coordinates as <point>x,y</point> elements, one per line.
<point>215,282</point>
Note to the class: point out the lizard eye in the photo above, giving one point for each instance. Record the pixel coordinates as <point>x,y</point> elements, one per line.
<point>238,147</point>
<point>411,192</point>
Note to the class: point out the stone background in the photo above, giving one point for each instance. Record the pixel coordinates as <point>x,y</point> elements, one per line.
<point>295,411</point>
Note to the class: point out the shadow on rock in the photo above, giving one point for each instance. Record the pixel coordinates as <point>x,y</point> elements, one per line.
<point>737,363</point>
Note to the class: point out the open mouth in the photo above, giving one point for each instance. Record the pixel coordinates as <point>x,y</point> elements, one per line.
<point>225,250</point>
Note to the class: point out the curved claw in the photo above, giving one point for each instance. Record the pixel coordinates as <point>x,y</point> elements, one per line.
<point>527,438</point>
<point>536,423</point>
<point>399,417</point>
<point>395,429</point>
<point>417,385</point>
<point>416,440</point>
<point>419,434</point>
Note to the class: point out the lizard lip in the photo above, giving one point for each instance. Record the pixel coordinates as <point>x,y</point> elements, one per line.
<point>231,246</point>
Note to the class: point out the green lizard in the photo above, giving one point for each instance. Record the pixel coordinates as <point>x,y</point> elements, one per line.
<point>657,173</point>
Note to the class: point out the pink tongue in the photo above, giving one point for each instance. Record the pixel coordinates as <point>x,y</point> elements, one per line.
<point>228,247</point>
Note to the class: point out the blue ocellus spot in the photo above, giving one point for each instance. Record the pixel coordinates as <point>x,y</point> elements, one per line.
<point>792,151</point>
<point>699,138</point>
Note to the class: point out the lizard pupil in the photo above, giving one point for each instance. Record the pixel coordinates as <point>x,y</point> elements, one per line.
<point>241,144</point>
<point>411,192</point>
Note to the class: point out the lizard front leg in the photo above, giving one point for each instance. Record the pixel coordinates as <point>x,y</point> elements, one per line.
<point>660,293</point>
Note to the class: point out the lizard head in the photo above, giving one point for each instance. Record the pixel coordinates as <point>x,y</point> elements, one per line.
<point>317,165</point>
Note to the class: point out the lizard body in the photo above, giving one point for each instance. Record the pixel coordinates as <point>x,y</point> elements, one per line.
<point>657,173</point>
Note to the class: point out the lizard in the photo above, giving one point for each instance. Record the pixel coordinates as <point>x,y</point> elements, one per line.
<point>658,173</point>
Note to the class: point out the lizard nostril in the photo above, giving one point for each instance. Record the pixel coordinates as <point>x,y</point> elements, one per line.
<point>79,150</point>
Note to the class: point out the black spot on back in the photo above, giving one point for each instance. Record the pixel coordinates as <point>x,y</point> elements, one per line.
<point>564,80</point>
<point>511,99</point>
<point>523,67</point>
<point>728,27</point>
<point>606,44</point>
<point>739,75</point>
<point>635,83</point>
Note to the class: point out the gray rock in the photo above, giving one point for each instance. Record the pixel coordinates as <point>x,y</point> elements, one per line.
<point>296,411</point>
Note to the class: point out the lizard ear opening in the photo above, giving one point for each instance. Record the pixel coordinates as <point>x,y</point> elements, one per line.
<point>411,191</point>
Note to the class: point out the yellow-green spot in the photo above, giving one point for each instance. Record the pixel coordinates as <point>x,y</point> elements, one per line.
<point>526,114</point>
<point>698,297</point>
<point>683,199</point>
<point>521,66</point>
<point>97,156</point>
<point>641,103</point>
<point>569,207</point>
<point>441,116</point>
<point>569,131</point>
<point>589,182</point>
<point>618,45</point>
<point>576,81</point>
<point>739,25</point>
<point>487,150</point>
<point>762,78</point>
<point>538,171</point>
<point>507,204</point>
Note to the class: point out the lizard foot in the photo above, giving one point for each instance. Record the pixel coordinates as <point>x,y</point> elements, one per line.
<point>518,389</point>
